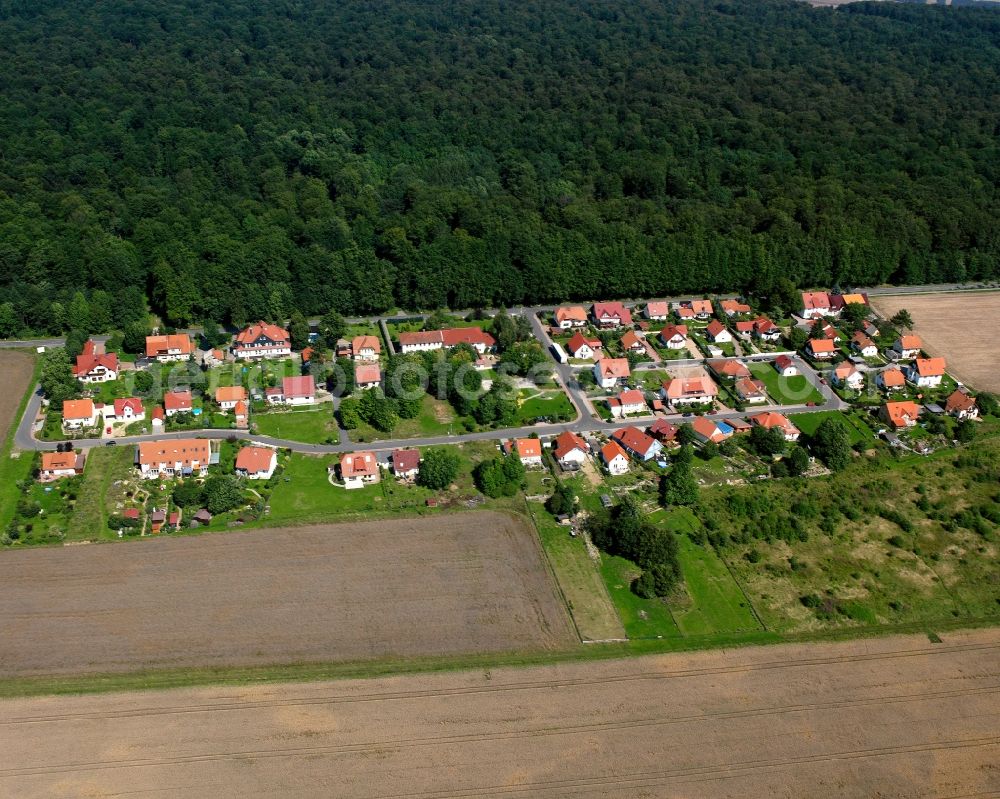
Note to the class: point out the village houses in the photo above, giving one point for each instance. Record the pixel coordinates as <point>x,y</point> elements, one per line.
<point>262,340</point>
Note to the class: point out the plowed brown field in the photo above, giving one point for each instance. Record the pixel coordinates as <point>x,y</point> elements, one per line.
<point>471,582</point>
<point>957,327</point>
<point>889,718</point>
<point>17,368</point>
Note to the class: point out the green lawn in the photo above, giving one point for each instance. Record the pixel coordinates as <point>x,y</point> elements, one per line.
<point>795,390</point>
<point>90,517</point>
<point>579,579</point>
<point>14,469</point>
<point>314,426</point>
<point>643,618</point>
<point>808,422</point>
<point>436,418</point>
<point>553,404</point>
<point>304,494</point>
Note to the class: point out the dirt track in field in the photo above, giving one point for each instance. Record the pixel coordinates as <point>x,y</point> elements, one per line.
<point>888,718</point>
<point>957,327</point>
<point>17,368</point>
<point>471,582</point>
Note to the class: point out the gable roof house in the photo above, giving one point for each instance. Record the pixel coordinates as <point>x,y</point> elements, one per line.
<point>695,309</point>
<point>367,375</point>
<point>175,402</point>
<point>608,371</point>
<point>961,405</point>
<point>241,415</point>
<point>729,369</point>
<point>262,340</point>
<point>785,366</point>
<point>848,375</point>
<point>839,301</point>
<point>706,430</point>
<point>78,414</point>
<point>906,347</point>
<point>579,346</point>
<point>298,390</point>
<point>745,329</point>
<point>358,469</point>
<point>637,443</point>
<point>405,463</point>
<point>94,365</point>
<point>822,349</point>
<point>771,420</point>
<point>826,330</point>
<point>427,340</point>
<point>734,307</point>
<point>663,431</point>
<point>926,372</point>
<point>365,348</point>
<point>689,390</point>
<point>900,415</point>
<point>766,330</point>
<point>863,345</point>
<point>529,450</point>
<point>718,333</point>
<point>630,342</point>
<point>674,337</point>
<point>815,303</point>
<point>256,463</point>
<point>657,311</point>
<point>227,396</point>
<point>570,316</point>
<point>125,409</point>
<point>175,347</point>
<point>56,465</point>
<point>173,457</point>
<point>570,449</point>
<point>891,377</point>
<point>614,458</point>
<point>750,391</point>
<point>611,314</point>
<point>628,403</point>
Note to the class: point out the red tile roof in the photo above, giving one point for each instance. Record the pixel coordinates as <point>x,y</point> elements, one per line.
<point>929,367</point>
<point>131,402</point>
<point>185,451</point>
<point>566,442</point>
<point>612,310</point>
<point>359,343</point>
<point>958,400</point>
<point>358,464</point>
<point>366,373</point>
<point>93,355</point>
<point>405,460</point>
<point>161,345</point>
<point>53,461</point>
<point>298,386</point>
<point>177,400</point>
<point>634,440</point>
<point>571,313</point>
<point>612,450</point>
<point>230,394</point>
<point>813,300</point>
<point>254,459</point>
<point>613,367</point>
<point>251,333</point>
<point>78,409</point>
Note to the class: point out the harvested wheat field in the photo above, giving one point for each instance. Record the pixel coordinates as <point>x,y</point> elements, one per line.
<point>951,326</point>
<point>472,582</point>
<point>895,717</point>
<point>17,368</point>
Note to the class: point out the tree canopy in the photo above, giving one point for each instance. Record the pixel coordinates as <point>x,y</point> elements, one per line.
<point>239,160</point>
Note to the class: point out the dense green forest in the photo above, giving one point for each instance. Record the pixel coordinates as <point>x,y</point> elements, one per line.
<point>234,159</point>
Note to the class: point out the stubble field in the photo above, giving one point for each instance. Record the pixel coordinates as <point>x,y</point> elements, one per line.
<point>956,327</point>
<point>892,718</point>
<point>462,583</point>
<point>17,368</point>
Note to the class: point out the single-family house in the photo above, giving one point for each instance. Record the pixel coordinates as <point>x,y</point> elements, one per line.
<point>752,392</point>
<point>298,390</point>
<point>630,342</point>
<point>529,450</point>
<point>674,337</point>
<point>706,431</point>
<point>427,340</point>
<point>611,314</point>
<point>717,332</point>
<point>256,463</point>
<point>56,465</point>
<point>699,309</point>
<point>79,414</point>
<point>863,345</point>
<point>663,431</point>
<point>358,469</point>
<point>262,340</point>
<point>570,316</point>
<point>891,378</point>
<point>906,347</point>
<point>173,457</point>
<point>847,375</point>
<point>785,366</point>
<point>367,375</point>
<point>609,371</point>
<point>405,463</point>
<point>628,403</point>
<point>728,369</point>
<point>125,410</point>
<point>900,415</point>
<point>175,402</point>
<point>226,397</point>
<point>814,304</point>
<point>689,390</point>
<point>771,420</point>
<point>685,312</point>
<point>614,458</point>
<point>637,443</point>
<point>94,365</point>
<point>926,372</point>
<point>365,348</point>
<point>241,415</point>
<point>823,329</point>
<point>657,311</point>
<point>822,349</point>
<point>839,301</point>
<point>570,450</point>
<point>157,418</point>
<point>579,346</point>
<point>745,329</point>
<point>766,330</point>
<point>734,307</point>
<point>960,405</point>
<point>173,347</point>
